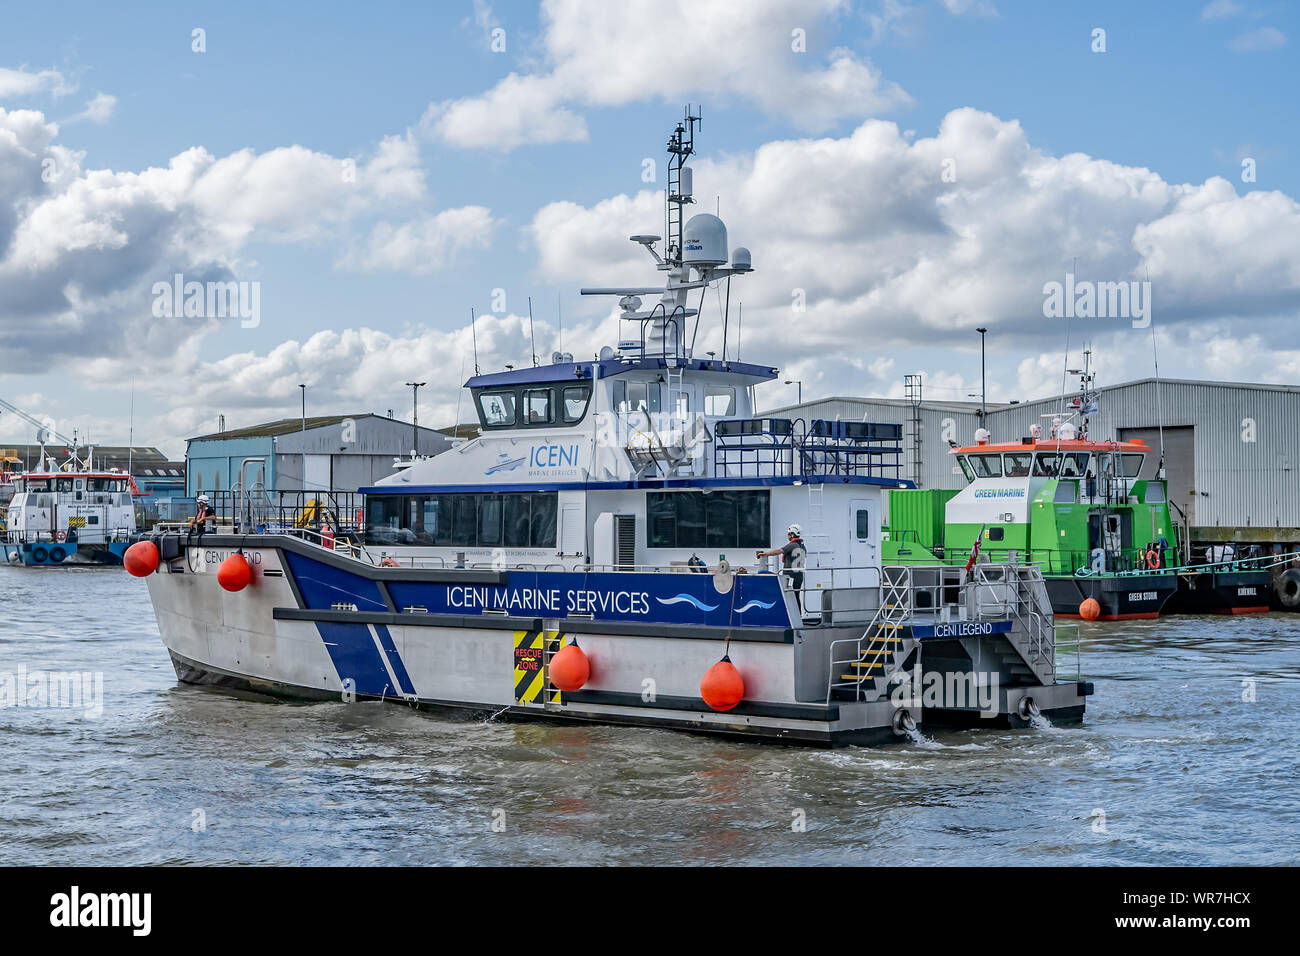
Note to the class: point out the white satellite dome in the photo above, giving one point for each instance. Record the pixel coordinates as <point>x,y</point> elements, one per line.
<point>704,241</point>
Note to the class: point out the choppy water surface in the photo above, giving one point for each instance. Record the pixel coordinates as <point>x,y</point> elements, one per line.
<point>1183,769</point>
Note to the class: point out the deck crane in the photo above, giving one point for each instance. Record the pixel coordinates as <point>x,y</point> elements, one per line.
<point>44,433</point>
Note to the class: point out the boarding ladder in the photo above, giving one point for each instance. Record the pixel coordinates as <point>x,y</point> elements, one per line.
<point>872,659</point>
<point>1017,593</point>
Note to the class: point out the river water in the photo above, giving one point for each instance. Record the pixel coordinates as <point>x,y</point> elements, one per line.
<point>1172,766</point>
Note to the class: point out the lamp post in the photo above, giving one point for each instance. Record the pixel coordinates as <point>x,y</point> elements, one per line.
<point>799,382</point>
<point>415,418</point>
<point>304,438</point>
<point>983,388</point>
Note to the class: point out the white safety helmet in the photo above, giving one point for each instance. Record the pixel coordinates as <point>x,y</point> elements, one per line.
<point>794,530</point>
<point>203,498</point>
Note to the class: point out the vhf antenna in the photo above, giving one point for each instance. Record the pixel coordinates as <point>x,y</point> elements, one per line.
<point>532,341</point>
<point>473,331</point>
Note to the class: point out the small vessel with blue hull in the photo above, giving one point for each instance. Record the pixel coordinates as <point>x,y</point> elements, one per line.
<point>618,504</point>
<point>69,513</point>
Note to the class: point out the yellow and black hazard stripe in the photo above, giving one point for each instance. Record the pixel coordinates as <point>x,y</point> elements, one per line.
<point>530,668</point>
<point>554,641</point>
<point>532,650</point>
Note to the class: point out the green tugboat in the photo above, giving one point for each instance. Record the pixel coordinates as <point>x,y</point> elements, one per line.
<point>1076,508</point>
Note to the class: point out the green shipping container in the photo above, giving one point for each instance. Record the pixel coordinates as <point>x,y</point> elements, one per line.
<point>920,510</point>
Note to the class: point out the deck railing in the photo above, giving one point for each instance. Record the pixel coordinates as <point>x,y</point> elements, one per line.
<point>781,447</point>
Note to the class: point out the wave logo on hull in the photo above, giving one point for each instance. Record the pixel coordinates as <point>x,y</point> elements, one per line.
<point>505,463</point>
<point>753,604</point>
<point>691,600</point>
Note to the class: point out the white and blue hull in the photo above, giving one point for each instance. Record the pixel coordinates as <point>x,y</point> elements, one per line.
<point>313,624</point>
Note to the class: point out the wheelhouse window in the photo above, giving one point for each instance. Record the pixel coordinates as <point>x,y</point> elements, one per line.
<point>1130,465</point>
<point>574,402</point>
<point>987,466</point>
<point>719,400</point>
<point>966,468</point>
<point>707,519</point>
<point>1056,465</point>
<point>533,406</point>
<point>497,408</point>
<point>636,396</point>
<point>490,520</point>
<point>537,406</point>
<point>1018,464</point>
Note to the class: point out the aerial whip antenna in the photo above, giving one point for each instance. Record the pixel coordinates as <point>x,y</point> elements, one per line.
<point>473,331</point>
<point>1160,406</point>
<point>531,339</point>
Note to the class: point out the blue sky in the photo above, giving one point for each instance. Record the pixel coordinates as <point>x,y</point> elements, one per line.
<point>1184,90</point>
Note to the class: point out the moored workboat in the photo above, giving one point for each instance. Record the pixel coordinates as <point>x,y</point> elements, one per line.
<point>69,513</point>
<point>1088,513</point>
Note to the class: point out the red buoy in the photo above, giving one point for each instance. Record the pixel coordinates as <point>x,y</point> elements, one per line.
<point>569,668</point>
<point>234,573</point>
<point>722,687</point>
<point>1090,610</point>
<point>141,559</point>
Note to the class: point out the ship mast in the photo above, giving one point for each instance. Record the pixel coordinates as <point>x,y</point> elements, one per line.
<point>695,255</point>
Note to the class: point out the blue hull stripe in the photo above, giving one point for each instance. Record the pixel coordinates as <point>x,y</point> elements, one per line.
<point>323,585</point>
<point>394,659</point>
<point>355,656</point>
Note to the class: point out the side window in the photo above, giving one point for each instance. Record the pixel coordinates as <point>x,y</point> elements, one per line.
<point>537,406</point>
<point>575,398</point>
<point>498,408</point>
<point>639,396</point>
<point>719,400</point>
<point>863,521</point>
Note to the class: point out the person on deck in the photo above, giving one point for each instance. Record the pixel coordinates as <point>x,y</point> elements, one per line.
<point>792,555</point>
<point>199,522</point>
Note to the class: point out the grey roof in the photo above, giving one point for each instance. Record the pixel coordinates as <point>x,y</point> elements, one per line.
<point>958,406</point>
<point>287,426</point>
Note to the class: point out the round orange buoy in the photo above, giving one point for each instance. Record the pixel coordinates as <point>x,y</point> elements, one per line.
<point>141,559</point>
<point>722,687</point>
<point>569,668</point>
<point>1090,610</point>
<point>234,573</point>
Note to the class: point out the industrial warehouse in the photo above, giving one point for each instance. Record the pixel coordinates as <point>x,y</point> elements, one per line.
<point>1230,449</point>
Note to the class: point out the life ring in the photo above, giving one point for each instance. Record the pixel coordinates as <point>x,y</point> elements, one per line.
<point>388,563</point>
<point>1153,559</point>
<point>57,555</point>
<point>60,536</point>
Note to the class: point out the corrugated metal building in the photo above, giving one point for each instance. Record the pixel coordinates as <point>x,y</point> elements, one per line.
<point>339,453</point>
<point>1232,450</point>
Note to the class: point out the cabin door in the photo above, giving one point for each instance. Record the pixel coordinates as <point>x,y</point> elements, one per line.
<point>864,544</point>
